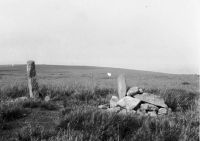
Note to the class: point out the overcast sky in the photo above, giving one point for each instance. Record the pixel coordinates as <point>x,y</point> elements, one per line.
<point>156,35</point>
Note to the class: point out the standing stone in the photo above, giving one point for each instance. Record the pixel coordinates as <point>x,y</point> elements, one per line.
<point>121,86</point>
<point>32,81</point>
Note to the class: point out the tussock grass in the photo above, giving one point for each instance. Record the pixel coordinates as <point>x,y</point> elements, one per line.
<point>83,121</point>
<point>10,112</point>
<point>13,91</point>
<point>97,125</point>
<point>177,99</point>
<point>35,133</point>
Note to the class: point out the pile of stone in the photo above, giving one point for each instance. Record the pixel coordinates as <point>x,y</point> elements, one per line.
<point>135,101</point>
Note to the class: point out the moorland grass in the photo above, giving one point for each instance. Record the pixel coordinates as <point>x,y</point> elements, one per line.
<point>83,121</point>
<point>39,104</point>
<point>10,112</point>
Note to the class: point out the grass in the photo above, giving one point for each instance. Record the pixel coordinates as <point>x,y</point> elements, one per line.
<point>13,90</point>
<point>10,112</point>
<point>39,104</point>
<point>177,99</point>
<point>72,113</point>
<point>34,132</point>
<point>83,121</point>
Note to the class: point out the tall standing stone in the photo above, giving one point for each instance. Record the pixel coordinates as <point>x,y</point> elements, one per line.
<point>121,86</point>
<point>32,81</point>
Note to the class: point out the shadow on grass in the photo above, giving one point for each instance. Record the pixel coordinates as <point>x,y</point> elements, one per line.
<point>39,104</point>
<point>10,112</point>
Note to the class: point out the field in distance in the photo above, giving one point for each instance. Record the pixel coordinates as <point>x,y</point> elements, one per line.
<point>64,75</point>
<point>77,91</point>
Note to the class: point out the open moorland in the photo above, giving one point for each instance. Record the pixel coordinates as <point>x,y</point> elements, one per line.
<point>75,93</point>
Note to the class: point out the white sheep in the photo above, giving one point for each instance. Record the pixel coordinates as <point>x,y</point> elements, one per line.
<point>109,74</point>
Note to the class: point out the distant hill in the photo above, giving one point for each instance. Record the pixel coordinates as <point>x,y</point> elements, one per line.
<point>63,73</point>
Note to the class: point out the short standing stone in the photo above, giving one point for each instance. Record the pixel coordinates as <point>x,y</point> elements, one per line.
<point>121,86</point>
<point>162,111</point>
<point>149,107</point>
<point>152,99</point>
<point>113,101</point>
<point>47,98</point>
<point>128,102</point>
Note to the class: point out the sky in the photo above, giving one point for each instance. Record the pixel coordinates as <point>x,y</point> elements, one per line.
<point>154,35</point>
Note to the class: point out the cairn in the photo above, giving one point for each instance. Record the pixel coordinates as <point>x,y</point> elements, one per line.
<point>135,101</point>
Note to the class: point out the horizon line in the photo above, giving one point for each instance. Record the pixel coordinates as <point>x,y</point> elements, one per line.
<point>18,64</point>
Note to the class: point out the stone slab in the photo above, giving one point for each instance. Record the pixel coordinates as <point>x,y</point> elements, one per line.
<point>152,99</point>
<point>128,102</point>
<point>113,101</point>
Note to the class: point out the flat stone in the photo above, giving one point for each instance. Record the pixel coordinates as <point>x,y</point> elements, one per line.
<point>152,99</point>
<point>128,102</point>
<point>149,107</point>
<point>140,91</point>
<point>47,98</point>
<point>103,106</point>
<point>19,99</point>
<point>152,113</point>
<point>126,112</point>
<point>133,91</point>
<point>162,111</point>
<point>141,112</point>
<point>113,101</point>
<point>121,86</point>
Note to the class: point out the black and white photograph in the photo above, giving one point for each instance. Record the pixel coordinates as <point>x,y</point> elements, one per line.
<point>99,70</point>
